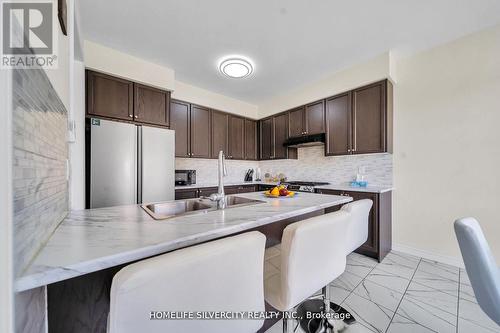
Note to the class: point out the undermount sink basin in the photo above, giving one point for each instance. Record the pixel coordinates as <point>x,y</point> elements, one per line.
<point>165,210</point>
<point>169,209</point>
<point>240,201</point>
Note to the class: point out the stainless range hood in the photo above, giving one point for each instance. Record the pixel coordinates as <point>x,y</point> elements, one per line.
<point>305,141</point>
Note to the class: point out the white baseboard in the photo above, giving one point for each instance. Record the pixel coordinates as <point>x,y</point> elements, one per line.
<point>454,261</point>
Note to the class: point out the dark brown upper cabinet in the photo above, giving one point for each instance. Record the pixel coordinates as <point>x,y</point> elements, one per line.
<point>108,96</point>
<point>280,136</point>
<point>151,105</point>
<point>296,122</point>
<point>273,133</point>
<point>219,133</point>
<point>250,139</point>
<point>306,120</point>
<point>180,122</point>
<point>338,125</point>
<point>266,133</point>
<point>200,131</point>
<point>314,120</point>
<point>360,121</point>
<point>236,140</point>
<point>370,119</point>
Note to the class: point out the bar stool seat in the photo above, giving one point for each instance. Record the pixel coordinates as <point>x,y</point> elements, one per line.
<point>312,255</point>
<point>224,276</point>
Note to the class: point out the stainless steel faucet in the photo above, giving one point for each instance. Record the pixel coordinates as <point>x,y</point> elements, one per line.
<point>220,197</point>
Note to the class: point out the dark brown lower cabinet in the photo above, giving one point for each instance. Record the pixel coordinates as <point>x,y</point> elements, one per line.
<point>206,191</point>
<point>188,193</point>
<point>379,241</point>
<point>246,188</point>
<point>264,187</point>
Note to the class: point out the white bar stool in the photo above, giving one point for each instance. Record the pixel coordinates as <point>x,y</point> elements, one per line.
<point>223,275</point>
<point>357,228</point>
<point>313,253</point>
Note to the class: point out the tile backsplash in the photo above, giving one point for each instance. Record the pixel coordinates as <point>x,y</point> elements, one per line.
<point>311,165</point>
<point>206,169</point>
<point>40,152</point>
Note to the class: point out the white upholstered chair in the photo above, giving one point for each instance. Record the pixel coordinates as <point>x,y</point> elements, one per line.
<point>483,272</point>
<point>357,228</point>
<point>222,275</point>
<point>312,255</point>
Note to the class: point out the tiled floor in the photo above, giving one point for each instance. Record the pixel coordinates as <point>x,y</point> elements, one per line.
<point>403,293</point>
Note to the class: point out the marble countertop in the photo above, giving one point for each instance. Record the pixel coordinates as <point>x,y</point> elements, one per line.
<point>96,239</point>
<point>347,187</point>
<point>215,184</point>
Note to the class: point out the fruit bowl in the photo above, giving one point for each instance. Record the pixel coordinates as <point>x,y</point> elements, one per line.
<point>270,195</point>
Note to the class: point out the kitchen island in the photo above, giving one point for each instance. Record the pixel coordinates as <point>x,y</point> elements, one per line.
<point>95,239</point>
<point>73,272</point>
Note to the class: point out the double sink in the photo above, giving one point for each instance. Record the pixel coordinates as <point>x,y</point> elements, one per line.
<point>170,209</point>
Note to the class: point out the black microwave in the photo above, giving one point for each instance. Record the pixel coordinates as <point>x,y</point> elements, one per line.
<point>185,177</point>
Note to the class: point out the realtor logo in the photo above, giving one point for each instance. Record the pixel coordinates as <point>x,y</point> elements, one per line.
<point>29,35</point>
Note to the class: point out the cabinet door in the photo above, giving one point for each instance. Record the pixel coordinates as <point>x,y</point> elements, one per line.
<point>151,105</point>
<point>219,134</point>
<point>236,139</point>
<point>296,123</point>
<point>280,136</point>
<point>266,139</point>
<point>371,245</point>
<point>200,131</point>
<point>108,96</point>
<point>250,139</point>
<point>369,114</point>
<point>338,125</point>
<point>186,194</point>
<point>315,118</point>
<point>179,122</point>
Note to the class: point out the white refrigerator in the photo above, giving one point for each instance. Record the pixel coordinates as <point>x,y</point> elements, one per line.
<point>128,164</point>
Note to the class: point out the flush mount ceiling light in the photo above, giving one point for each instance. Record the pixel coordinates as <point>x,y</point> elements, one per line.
<point>236,66</point>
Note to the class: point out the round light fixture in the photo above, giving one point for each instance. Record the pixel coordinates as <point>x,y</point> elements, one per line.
<point>236,66</point>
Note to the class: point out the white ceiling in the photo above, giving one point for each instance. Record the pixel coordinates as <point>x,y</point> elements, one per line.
<point>292,42</point>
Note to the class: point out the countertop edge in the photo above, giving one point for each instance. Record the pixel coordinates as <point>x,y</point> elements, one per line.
<point>58,274</point>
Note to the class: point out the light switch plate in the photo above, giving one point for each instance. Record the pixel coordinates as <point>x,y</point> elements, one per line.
<point>71,131</point>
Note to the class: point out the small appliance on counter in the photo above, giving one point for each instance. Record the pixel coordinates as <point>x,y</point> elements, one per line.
<point>185,177</point>
<point>249,175</point>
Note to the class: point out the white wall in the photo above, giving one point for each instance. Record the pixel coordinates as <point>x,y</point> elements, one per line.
<point>77,146</point>
<point>447,143</point>
<point>107,60</point>
<point>371,71</point>
<point>186,92</point>
<point>6,227</point>
<point>59,78</point>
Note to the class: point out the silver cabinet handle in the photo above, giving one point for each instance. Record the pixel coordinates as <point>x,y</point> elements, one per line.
<point>131,116</point>
<point>136,117</point>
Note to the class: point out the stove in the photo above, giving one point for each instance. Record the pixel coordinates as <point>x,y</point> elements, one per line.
<point>303,186</point>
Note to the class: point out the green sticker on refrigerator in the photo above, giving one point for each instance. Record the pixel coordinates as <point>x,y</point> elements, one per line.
<point>96,122</point>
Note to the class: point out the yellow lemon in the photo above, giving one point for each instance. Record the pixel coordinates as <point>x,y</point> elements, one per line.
<point>275,191</point>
